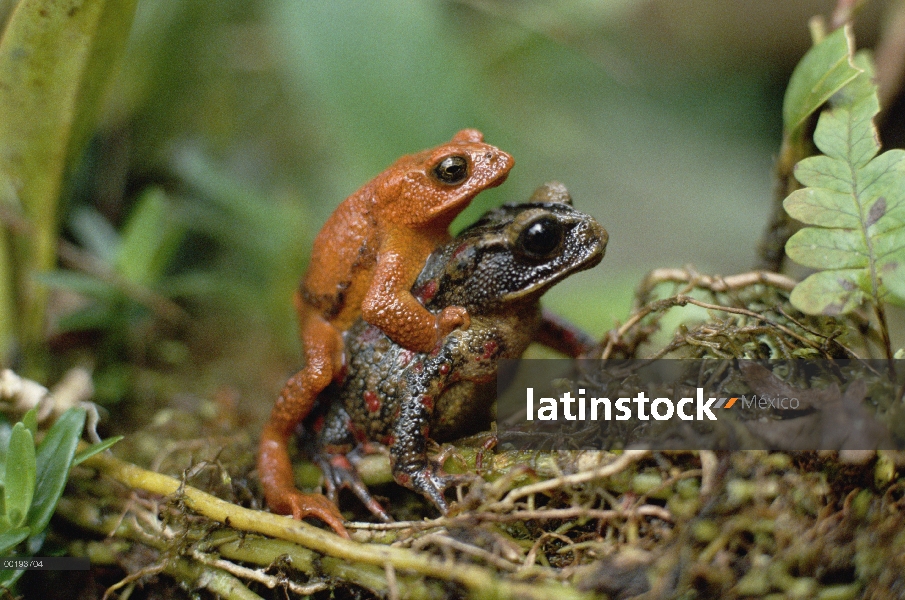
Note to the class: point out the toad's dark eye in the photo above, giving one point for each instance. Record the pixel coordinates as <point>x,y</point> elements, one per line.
<point>451,170</point>
<point>542,238</point>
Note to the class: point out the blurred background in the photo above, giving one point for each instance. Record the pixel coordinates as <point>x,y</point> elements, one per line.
<point>246,123</point>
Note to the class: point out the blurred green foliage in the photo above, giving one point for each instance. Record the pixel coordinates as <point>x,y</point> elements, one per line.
<point>307,101</point>
<point>255,119</point>
<point>54,63</point>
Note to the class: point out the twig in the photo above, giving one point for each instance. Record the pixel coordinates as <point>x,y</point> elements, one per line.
<point>133,577</point>
<point>484,555</point>
<point>749,313</point>
<point>648,510</point>
<point>392,584</point>
<point>719,284</point>
<point>845,11</point>
<point>889,57</point>
<point>257,575</point>
<point>627,458</point>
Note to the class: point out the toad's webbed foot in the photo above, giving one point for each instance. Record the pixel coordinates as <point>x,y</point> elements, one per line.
<point>301,505</point>
<point>431,481</point>
<point>340,473</point>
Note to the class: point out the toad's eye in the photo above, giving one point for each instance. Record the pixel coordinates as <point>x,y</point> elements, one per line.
<point>542,238</point>
<point>451,170</point>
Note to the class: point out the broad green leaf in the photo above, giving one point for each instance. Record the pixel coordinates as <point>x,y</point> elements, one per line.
<point>54,458</point>
<point>95,449</point>
<point>20,475</point>
<point>12,538</point>
<point>55,57</point>
<point>824,70</point>
<point>855,204</point>
<point>861,86</point>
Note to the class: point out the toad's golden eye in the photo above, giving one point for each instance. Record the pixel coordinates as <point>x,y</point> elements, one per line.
<point>541,238</point>
<point>451,170</point>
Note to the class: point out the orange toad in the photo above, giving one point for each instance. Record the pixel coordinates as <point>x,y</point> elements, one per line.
<point>364,262</point>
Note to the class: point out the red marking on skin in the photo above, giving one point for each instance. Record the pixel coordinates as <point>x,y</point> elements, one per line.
<point>444,368</point>
<point>489,348</point>
<point>340,462</point>
<point>405,357</point>
<point>403,479</point>
<point>458,251</point>
<point>427,402</point>
<point>356,432</point>
<point>372,401</point>
<point>370,334</point>
<point>427,291</point>
<point>318,425</point>
<point>388,440</point>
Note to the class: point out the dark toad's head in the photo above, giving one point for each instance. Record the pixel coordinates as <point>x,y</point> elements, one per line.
<point>513,253</point>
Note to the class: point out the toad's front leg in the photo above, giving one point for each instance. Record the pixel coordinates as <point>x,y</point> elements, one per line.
<point>425,382</point>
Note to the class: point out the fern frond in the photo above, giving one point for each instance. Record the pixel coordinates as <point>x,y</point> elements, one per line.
<point>854,203</point>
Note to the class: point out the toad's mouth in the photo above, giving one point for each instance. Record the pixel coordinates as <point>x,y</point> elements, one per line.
<point>541,285</point>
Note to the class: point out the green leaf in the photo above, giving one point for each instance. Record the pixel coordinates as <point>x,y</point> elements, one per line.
<point>895,285</point>
<point>30,420</point>
<point>95,449</point>
<point>20,475</point>
<point>12,538</point>
<point>97,316</point>
<point>82,283</point>
<point>6,431</point>
<point>824,70</point>
<point>150,238</point>
<point>9,576</point>
<point>813,248</point>
<point>54,458</point>
<point>830,292</point>
<point>855,204</point>
<point>95,233</point>
<point>55,57</point>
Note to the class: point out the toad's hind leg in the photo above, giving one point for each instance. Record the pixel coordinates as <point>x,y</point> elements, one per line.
<point>340,472</point>
<point>323,360</point>
<point>337,452</point>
